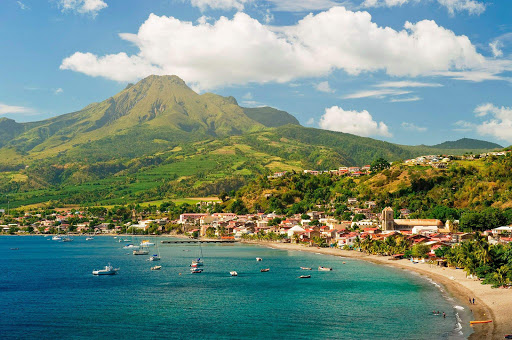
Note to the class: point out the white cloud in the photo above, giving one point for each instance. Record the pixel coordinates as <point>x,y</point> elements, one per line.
<point>405,83</point>
<point>91,7</point>
<point>203,5</point>
<point>383,93</point>
<point>499,123</point>
<point>311,121</point>
<point>252,103</point>
<point>496,48</point>
<point>6,109</point>
<point>58,91</point>
<point>354,122</point>
<point>324,87</point>
<point>242,50</point>
<point>471,6</point>
<point>406,99</point>
<point>22,5</point>
<point>413,127</point>
<point>463,126</point>
<point>248,96</point>
<point>268,17</point>
<point>304,5</point>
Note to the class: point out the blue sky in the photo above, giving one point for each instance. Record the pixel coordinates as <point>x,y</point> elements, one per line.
<point>405,71</point>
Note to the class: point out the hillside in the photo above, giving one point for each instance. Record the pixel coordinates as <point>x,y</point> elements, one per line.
<point>158,138</point>
<point>468,143</point>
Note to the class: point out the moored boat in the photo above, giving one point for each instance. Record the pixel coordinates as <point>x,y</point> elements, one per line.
<point>56,238</point>
<point>89,238</point>
<point>196,270</point>
<point>140,252</point>
<point>324,269</point>
<point>305,277</point>
<point>156,268</point>
<point>233,273</point>
<point>131,246</point>
<point>197,263</point>
<point>258,259</point>
<point>155,257</point>
<point>146,243</point>
<point>305,268</point>
<point>67,239</point>
<point>265,270</point>
<point>108,270</point>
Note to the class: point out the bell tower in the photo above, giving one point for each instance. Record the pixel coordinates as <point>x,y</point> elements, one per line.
<point>387,219</point>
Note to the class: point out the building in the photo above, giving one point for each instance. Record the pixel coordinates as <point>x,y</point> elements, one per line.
<point>388,222</point>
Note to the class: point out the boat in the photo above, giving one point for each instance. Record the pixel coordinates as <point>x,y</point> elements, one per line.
<point>156,268</point>
<point>146,243</point>
<point>324,269</point>
<point>125,240</point>
<point>196,270</point>
<point>305,268</point>
<point>56,238</point>
<point>108,270</point>
<point>344,262</point>
<point>155,257</point>
<point>233,273</point>
<point>265,270</point>
<point>480,321</point>
<point>67,239</point>
<point>130,246</point>
<point>89,238</point>
<point>197,263</point>
<point>140,252</point>
<point>258,259</point>
<point>305,277</point>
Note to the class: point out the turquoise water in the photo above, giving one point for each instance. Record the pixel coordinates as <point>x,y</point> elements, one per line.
<point>47,291</point>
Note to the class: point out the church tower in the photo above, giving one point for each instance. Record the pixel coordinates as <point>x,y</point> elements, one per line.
<point>387,219</point>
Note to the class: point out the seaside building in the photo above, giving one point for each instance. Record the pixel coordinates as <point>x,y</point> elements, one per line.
<point>388,222</point>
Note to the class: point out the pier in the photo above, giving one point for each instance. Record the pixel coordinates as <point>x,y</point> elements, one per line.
<point>199,241</point>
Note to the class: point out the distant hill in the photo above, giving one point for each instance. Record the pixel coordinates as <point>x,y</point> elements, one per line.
<point>468,143</point>
<point>270,117</point>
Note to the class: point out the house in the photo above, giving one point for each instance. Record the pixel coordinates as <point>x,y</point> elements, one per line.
<point>352,200</point>
<point>190,218</point>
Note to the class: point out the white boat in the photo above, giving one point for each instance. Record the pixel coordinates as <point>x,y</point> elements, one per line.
<point>324,269</point>
<point>146,243</point>
<point>305,268</point>
<point>131,246</point>
<point>233,273</point>
<point>108,270</point>
<point>141,252</point>
<point>56,238</point>
<point>197,263</point>
<point>258,259</point>
<point>305,277</point>
<point>196,270</point>
<point>89,238</point>
<point>155,257</point>
<point>156,268</point>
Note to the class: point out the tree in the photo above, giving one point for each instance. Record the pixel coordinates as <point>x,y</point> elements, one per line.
<point>379,164</point>
<point>420,250</point>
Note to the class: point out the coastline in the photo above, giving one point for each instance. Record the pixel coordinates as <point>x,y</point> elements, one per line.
<point>490,304</point>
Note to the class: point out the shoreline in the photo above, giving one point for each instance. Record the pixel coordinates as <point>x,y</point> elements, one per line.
<point>490,304</point>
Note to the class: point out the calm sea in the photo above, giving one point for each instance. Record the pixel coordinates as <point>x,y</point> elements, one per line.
<point>47,290</point>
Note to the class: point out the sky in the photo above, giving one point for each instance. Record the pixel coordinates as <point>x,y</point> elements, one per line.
<point>405,71</point>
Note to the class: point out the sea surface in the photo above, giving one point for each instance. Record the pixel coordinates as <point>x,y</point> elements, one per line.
<point>47,291</point>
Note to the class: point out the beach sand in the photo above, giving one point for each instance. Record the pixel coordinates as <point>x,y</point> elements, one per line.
<point>490,304</point>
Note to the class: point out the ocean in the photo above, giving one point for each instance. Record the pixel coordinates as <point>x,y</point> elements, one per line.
<point>47,290</point>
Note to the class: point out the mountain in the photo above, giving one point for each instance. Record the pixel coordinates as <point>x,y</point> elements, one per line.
<point>468,143</point>
<point>158,138</point>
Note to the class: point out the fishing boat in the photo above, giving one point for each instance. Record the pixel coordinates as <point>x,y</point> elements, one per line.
<point>155,257</point>
<point>156,268</point>
<point>141,252</point>
<point>108,270</point>
<point>146,243</point>
<point>258,259</point>
<point>233,273</point>
<point>480,321</point>
<point>56,238</point>
<point>196,270</point>
<point>265,270</point>
<point>324,269</point>
<point>305,268</point>
<point>305,277</point>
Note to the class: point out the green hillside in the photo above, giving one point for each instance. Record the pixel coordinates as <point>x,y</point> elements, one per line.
<point>468,143</point>
<point>159,139</point>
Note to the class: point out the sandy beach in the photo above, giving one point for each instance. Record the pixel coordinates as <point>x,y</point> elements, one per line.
<point>490,304</point>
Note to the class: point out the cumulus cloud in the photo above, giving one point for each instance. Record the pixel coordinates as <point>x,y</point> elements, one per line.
<point>470,6</point>
<point>354,122</point>
<point>304,5</point>
<point>324,87</point>
<point>498,123</point>
<point>219,4</point>
<point>413,127</point>
<point>6,109</point>
<point>91,7</point>
<point>242,50</point>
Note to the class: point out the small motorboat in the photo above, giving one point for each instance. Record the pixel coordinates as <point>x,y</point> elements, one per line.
<point>130,246</point>
<point>89,238</point>
<point>108,270</point>
<point>156,268</point>
<point>196,270</point>
<point>146,243</point>
<point>56,238</point>
<point>479,322</point>
<point>233,273</point>
<point>305,277</point>
<point>324,269</point>
<point>258,259</point>
<point>140,252</point>
<point>155,257</point>
<point>305,268</point>
<point>265,270</point>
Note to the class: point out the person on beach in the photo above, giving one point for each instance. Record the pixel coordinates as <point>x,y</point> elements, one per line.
<point>473,300</point>
<point>470,301</point>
